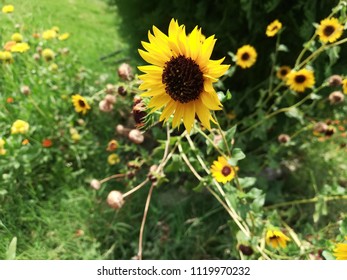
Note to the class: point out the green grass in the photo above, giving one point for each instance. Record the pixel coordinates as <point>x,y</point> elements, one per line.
<point>92,25</point>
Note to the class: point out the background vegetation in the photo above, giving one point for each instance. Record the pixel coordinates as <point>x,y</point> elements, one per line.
<point>46,201</point>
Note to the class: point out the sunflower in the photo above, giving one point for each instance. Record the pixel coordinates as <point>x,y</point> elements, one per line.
<point>48,54</point>
<point>6,57</point>
<point>181,75</point>
<point>246,56</point>
<point>340,251</point>
<point>273,28</point>
<point>17,37</point>
<point>283,71</point>
<point>222,171</point>
<point>19,127</point>
<point>113,159</point>
<point>80,103</point>
<point>329,30</point>
<point>300,80</point>
<point>344,86</point>
<point>275,238</point>
<point>20,47</point>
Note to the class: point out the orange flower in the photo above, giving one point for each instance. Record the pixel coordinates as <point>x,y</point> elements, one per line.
<point>8,45</point>
<point>25,142</point>
<point>10,99</point>
<point>112,145</point>
<point>46,143</point>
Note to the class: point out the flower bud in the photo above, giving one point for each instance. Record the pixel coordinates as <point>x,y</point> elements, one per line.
<point>115,199</point>
<point>283,138</point>
<point>152,173</point>
<point>139,111</point>
<point>336,97</point>
<point>105,106</point>
<point>95,184</point>
<point>136,136</point>
<point>125,72</point>
<point>335,80</point>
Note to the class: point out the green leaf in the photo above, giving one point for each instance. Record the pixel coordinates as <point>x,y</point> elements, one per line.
<point>296,114</point>
<point>247,182</point>
<point>283,48</point>
<point>328,255</point>
<point>11,251</point>
<point>238,154</point>
<point>343,227</point>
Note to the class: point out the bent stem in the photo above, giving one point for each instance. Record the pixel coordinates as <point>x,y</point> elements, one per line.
<point>148,201</point>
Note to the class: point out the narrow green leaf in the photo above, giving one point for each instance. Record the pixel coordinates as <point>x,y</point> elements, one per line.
<point>11,251</point>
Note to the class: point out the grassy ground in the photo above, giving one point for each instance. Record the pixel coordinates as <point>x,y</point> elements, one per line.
<point>92,25</point>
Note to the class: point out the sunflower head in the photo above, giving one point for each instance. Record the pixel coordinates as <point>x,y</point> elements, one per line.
<point>300,80</point>
<point>283,71</point>
<point>273,28</point>
<point>80,103</point>
<point>246,56</point>
<point>344,86</point>
<point>222,171</point>
<point>181,74</point>
<point>276,238</point>
<point>329,30</point>
<point>340,251</point>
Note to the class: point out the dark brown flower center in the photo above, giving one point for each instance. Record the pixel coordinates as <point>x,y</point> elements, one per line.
<point>81,103</point>
<point>245,56</point>
<point>299,79</point>
<point>183,79</point>
<point>274,237</point>
<point>226,170</point>
<point>328,30</point>
<point>284,72</point>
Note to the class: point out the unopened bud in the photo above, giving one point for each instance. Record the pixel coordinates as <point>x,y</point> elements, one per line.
<point>110,89</point>
<point>136,136</point>
<point>152,174</point>
<point>95,184</point>
<point>115,199</point>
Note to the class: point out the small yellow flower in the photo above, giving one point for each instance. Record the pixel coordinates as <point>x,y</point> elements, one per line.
<point>20,47</point>
<point>344,86</point>
<point>17,37</point>
<point>6,57</point>
<point>80,103</point>
<point>222,171</point>
<point>273,28</point>
<point>113,159</point>
<point>329,30</point>
<point>75,137</point>
<point>48,54</point>
<point>7,9</point>
<point>283,71</point>
<point>63,36</point>
<point>112,145</point>
<point>275,238</point>
<point>53,67</point>
<point>300,80</point>
<point>49,34</point>
<point>340,251</point>
<point>56,29</point>
<point>246,56</point>
<point>2,151</point>
<point>2,143</point>
<point>19,127</point>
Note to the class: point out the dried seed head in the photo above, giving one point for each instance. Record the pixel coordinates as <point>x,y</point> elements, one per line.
<point>139,111</point>
<point>110,98</point>
<point>246,250</point>
<point>36,56</point>
<point>110,89</point>
<point>136,136</point>
<point>115,199</point>
<point>152,174</point>
<point>320,127</point>
<point>105,106</point>
<point>335,80</point>
<point>122,91</point>
<point>95,184</point>
<point>25,90</point>
<point>336,97</point>
<point>330,131</point>
<point>125,72</point>
<point>283,138</point>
